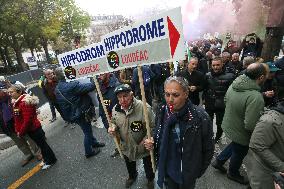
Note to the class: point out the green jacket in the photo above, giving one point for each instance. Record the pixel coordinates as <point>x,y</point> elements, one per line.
<point>131,127</point>
<point>244,104</point>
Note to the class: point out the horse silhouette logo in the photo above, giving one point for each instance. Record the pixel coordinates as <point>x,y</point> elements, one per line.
<point>113,59</point>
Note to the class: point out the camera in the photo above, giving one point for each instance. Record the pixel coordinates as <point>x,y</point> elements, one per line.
<point>278,179</point>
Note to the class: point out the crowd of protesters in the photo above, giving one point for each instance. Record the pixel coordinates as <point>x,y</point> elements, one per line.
<point>228,84</point>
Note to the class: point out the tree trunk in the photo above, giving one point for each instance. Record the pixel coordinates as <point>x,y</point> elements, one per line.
<point>7,55</point>
<point>32,51</point>
<point>44,45</point>
<point>23,66</point>
<point>4,60</point>
<point>15,45</point>
<point>272,43</point>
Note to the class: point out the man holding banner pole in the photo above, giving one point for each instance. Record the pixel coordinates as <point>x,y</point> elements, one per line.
<point>107,83</point>
<point>129,125</point>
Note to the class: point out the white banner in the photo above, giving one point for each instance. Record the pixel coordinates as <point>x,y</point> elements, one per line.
<point>156,40</point>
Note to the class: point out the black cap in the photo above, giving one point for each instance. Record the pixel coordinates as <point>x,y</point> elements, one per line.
<point>122,88</point>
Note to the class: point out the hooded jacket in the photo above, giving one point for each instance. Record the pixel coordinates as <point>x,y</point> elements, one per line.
<point>266,153</point>
<point>244,104</point>
<point>267,141</point>
<point>25,116</point>
<point>72,98</point>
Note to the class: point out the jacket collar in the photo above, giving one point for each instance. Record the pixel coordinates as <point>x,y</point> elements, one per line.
<point>20,98</point>
<point>130,110</point>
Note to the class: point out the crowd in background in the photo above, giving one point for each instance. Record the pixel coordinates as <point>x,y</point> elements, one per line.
<point>226,83</point>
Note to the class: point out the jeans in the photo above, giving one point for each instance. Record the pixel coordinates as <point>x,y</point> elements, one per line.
<point>47,154</point>
<point>236,152</point>
<point>104,120</point>
<point>219,118</point>
<point>131,168</point>
<point>89,139</point>
<point>52,109</point>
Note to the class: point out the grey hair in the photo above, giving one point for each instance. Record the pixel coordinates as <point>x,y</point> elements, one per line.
<point>180,80</point>
<point>59,74</point>
<point>247,61</point>
<point>193,58</point>
<point>18,88</point>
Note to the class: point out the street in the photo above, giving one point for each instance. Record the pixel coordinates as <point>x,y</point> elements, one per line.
<point>73,170</point>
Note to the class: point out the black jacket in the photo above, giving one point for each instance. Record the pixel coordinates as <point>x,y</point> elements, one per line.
<point>280,73</point>
<point>270,84</point>
<point>216,88</point>
<point>197,79</point>
<point>197,141</point>
<point>237,66</point>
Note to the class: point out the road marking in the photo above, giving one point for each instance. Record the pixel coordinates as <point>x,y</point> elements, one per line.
<point>24,178</point>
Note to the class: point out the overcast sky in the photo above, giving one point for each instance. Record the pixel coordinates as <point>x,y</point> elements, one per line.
<point>126,7</point>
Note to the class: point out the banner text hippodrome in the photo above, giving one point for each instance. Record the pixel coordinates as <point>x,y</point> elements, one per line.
<point>141,34</point>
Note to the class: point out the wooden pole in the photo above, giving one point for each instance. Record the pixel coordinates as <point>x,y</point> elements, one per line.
<point>107,116</point>
<point>145,110</point>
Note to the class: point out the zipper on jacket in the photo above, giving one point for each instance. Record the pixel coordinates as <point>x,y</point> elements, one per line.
<point>182,149</point>
<point>181,158</point>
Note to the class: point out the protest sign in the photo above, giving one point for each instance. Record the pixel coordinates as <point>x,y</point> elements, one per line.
<point>155,40</point>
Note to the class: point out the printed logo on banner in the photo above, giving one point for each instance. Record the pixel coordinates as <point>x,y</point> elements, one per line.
<point>113,59</point>
<point>70,72</point>
<point>136,126</point>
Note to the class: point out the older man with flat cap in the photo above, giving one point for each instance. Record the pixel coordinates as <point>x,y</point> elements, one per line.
<point>129,125</point>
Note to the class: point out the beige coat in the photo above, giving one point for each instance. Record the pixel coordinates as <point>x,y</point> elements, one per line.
<point>131,127</point>
<point>266,153</point>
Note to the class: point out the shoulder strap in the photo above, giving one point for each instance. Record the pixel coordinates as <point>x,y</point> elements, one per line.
<point>64,97</point>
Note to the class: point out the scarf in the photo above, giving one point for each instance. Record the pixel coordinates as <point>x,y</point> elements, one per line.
<point>187,117</point>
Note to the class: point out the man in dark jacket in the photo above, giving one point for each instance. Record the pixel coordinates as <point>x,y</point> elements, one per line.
<point>226,58</point>
<point>74,102</point>
<point>217,83</point>
<point>148,77</point>
<point>162,72</point>
<point>108,82</point>
<point>195,79</point>
<point>48,86</point>
<point>280,76</point>
<point>183,138</point>
<point>236,63</point>
<point>270,88</point>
